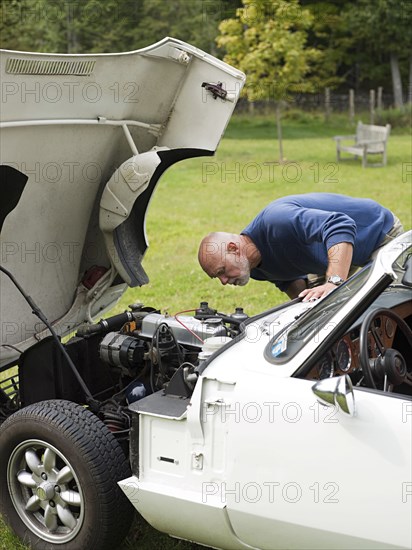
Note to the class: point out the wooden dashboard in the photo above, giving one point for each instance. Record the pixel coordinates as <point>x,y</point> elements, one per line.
<point>343,357</point>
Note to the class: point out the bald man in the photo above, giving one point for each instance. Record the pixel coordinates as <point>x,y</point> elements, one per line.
<point>325,234</point>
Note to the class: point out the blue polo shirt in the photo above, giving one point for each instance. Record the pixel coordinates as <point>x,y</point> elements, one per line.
<point>294,233</point>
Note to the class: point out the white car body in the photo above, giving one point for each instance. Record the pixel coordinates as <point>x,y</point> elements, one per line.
<point>254,460</point>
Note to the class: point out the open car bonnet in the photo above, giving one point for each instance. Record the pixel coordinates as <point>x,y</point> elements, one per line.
<point>84,141</point>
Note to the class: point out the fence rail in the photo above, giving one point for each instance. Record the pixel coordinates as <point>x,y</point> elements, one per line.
<point>327,101</point>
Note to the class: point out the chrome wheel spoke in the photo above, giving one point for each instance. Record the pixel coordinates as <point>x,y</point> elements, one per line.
<point>32,461</point>
<point>26,479</point>
<point>360,381</point>
<point>65,516</point>
<point>50,518</point>
<point>378,341</point>
<point>33,504</point>
<point>49,460</point>
<point>64,476</point>
<point>71,497</point>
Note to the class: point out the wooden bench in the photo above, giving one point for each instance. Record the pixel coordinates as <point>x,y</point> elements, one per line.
<point>369,140</point>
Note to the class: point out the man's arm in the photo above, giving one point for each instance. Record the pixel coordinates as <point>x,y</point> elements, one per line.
<point>339,262</point>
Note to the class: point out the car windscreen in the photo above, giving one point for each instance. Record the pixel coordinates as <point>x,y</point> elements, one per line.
<point>287,343</point>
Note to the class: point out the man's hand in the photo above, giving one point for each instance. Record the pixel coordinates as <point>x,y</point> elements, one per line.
<point>317,292</point>
<point>339,262</point>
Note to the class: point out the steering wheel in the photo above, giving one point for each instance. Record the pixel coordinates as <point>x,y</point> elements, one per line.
<point>389,369</point>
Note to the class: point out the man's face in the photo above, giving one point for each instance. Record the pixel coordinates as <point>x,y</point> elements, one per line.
<point>230,268</point>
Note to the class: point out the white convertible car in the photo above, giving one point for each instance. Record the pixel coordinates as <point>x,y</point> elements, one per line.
<point>288,430</point>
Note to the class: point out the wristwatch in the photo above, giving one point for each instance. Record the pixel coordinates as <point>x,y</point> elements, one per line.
<point>335,280</point>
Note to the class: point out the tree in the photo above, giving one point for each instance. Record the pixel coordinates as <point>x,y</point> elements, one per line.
<point>70,26</point>
<point>267,40</point>
<point>64,26</point>
<point>329,33</point>
<point>19,25</point>
<point>192,21</point>
<point>383,30</point>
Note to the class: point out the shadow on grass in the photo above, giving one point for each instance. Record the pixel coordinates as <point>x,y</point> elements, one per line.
<point>143,537</point>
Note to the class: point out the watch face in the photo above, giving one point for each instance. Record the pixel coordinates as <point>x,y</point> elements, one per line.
<point>335,279</point>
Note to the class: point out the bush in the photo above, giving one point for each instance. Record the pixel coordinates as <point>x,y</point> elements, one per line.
<point>397,118</point>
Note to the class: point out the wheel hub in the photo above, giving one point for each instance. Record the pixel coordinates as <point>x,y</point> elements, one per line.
<point>46,491</point>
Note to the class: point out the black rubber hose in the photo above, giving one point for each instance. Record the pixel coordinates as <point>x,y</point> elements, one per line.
<point>94,405</point>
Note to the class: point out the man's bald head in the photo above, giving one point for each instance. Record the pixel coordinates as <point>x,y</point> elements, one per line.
<point>213,248</point>
<point>226,256</point>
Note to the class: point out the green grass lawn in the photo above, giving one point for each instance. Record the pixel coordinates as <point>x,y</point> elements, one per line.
<point>142,537</point>
<point>224,193</point>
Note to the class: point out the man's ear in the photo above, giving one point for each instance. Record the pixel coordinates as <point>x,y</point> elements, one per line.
<point>232,247</point>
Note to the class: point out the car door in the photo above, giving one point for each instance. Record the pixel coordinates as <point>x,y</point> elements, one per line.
<point>303,475</point>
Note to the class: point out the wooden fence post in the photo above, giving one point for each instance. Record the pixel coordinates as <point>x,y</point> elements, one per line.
<point>327,104</point>
<point>352,106</point>
<point>372,106</point>
<point>379,104</point>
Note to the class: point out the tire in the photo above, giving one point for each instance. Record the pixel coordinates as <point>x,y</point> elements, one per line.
<point>59,468</point>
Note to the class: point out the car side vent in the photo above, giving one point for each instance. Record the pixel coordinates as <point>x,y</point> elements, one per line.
<point>47,67</point>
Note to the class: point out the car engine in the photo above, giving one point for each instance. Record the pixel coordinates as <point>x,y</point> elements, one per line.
<point>158,345</point>
<point>122,359</point>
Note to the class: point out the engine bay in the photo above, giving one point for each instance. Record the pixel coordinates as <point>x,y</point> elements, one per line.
<point>121,359</point>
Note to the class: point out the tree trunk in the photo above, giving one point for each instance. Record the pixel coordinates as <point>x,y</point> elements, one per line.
<point>396,81</point>
<point>410,81</point>
<point>279,130</point>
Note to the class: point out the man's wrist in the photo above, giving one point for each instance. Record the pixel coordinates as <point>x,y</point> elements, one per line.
<point>335,280</point>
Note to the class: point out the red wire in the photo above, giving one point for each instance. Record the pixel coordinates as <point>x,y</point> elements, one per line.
<point>184,326</point>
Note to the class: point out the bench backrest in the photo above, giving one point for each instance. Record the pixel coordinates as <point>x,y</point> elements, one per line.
<point>371,132</point>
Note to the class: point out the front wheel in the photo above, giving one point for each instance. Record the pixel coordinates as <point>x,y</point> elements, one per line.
<point>59,468</point>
